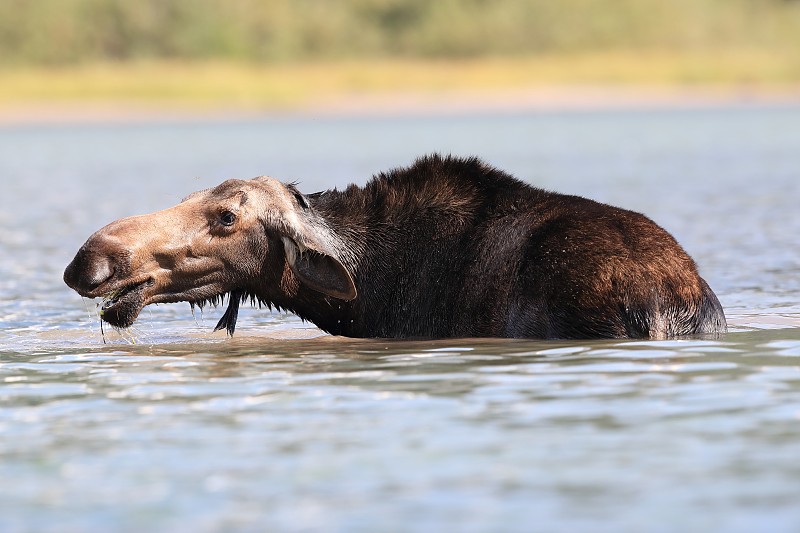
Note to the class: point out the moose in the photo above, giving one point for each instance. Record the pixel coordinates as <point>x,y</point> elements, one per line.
<point>446,247</point>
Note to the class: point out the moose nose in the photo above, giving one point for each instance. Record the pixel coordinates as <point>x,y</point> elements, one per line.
<point>88,270</point>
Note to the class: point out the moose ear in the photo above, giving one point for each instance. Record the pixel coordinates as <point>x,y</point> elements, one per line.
<point>320,272</point>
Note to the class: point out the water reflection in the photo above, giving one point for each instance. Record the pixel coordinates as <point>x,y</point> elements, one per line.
<point>444,367</point>
<point>258,431</point>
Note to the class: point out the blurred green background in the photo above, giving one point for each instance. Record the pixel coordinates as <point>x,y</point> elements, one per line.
<point>273,53</point>
<point>56,32</point>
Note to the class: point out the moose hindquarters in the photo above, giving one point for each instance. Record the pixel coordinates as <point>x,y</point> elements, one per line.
<point>626,278</point>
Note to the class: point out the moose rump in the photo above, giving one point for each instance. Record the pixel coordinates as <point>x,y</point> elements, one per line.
<point>447,247</point>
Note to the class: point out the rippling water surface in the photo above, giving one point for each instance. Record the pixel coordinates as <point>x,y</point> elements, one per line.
<point>170,427</point>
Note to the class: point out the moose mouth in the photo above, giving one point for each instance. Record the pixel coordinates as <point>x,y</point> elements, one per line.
<point>121,307</point>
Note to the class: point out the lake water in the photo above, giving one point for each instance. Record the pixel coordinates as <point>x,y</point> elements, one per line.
<point>169,427</point>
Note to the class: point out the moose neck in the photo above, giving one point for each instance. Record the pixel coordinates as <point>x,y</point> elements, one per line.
<point>403,237</point>
<point>395,234</point>
<point>331,314</point>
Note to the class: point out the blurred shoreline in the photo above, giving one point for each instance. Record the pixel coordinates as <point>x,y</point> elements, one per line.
<point>131,92</point>
<point>535,99</point>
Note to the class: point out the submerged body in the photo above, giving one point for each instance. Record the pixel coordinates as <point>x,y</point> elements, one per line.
<point>447,247</point>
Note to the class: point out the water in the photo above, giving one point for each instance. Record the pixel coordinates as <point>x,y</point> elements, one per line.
<point>285,429</point>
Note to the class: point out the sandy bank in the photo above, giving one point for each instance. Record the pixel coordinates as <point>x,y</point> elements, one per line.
<point>533,99</point>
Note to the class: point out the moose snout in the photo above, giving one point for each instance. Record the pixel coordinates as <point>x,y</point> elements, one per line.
<point>89,270</point>
<point>103,263</point>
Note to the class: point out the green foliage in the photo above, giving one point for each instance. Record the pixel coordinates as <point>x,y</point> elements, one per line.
<point>74,31</point>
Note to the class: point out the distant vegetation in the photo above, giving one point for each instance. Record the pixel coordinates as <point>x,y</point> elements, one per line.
<point>282,54</point>
<point>68,32</point>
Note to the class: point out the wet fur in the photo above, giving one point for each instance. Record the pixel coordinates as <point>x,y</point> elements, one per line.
<point>454,248</point>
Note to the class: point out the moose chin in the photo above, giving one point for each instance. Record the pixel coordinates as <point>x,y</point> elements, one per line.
<point>447,247</point>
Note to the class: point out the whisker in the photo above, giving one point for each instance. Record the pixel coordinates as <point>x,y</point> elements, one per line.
<point>102,332</point>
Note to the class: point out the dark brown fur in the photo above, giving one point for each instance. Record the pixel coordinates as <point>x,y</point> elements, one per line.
<point>448,247</point>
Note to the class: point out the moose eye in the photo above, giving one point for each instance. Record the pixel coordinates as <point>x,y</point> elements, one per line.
<point>227,218</point>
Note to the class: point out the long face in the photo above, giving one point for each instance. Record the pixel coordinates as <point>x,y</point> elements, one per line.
<point>215,241</point>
